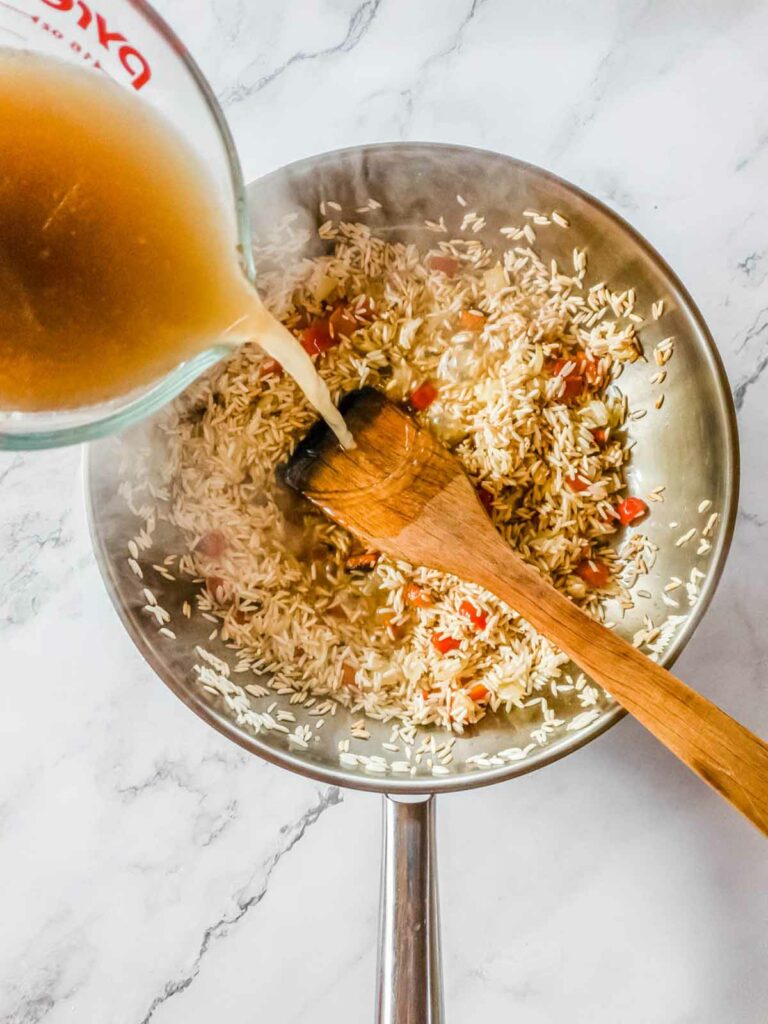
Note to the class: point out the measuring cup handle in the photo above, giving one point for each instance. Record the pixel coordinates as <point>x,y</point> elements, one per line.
<point>409,977</point>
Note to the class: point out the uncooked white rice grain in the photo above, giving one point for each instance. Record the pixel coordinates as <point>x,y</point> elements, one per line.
<point>685,537</point>
<point>710,524</point>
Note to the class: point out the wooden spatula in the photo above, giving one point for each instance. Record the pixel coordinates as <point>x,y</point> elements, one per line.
<point>404,494</point>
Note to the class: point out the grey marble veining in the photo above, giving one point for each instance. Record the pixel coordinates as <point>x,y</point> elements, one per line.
<point>151,871</point>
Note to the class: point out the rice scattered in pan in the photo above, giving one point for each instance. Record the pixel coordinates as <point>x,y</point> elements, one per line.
<point>510,362</point>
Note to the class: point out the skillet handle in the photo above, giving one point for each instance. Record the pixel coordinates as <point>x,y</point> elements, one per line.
<point>409,987</point>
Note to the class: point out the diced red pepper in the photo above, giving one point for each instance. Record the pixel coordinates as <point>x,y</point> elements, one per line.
<point>594,573</point>
<point>444,644</point>
<point>342,322</point>
<point>631,509</point>
<point>478,693</point>
<point>576,484</point>
<point>583,371</point>
<point>591,370</point>
<point>215,585</point>
<point>212,544</point>
<point>348,673</point>
<point>574,381</point>
<point>446,264</point>
<point>317,338</point>
<point>363,309</point>
<point>418,597</point>
<point>471,321</point>
<point>423,396</point>
<point>600,436</point>
<point>574,387</point>
<point>476,616</point>
<point>486,498</point>
<point>271,368</point>
<point>585,366</point>
<point>556,366</point>
<point>393,628</point>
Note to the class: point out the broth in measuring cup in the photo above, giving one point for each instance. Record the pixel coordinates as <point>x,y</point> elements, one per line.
<point>116,263</point>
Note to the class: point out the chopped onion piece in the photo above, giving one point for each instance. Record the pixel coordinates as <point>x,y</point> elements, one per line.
<point>495,279</point>
<point>595,414</point>
<point>323,286</point>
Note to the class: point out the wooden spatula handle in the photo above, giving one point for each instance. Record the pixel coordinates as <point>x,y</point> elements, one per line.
<point>723,753</point>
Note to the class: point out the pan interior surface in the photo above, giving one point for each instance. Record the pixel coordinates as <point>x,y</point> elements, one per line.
<point>688,446</point>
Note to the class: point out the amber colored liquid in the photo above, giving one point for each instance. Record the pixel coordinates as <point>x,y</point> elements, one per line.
<point>117,262</point>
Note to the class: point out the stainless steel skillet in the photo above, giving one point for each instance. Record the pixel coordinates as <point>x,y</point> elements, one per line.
<point>689,445</point>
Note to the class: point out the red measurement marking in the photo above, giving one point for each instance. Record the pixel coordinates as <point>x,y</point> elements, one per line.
<point>49,28</point>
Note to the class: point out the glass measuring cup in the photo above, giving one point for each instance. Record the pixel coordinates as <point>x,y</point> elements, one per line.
<point>128,41</point>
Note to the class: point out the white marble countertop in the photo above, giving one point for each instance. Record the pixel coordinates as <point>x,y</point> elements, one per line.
<point>154,872</point>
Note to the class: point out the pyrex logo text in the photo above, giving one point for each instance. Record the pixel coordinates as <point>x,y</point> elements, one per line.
<point>132,60</point>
